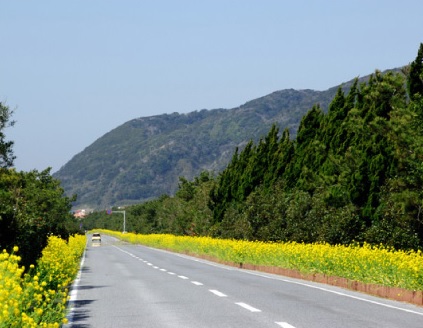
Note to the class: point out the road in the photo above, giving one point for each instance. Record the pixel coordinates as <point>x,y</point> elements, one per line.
<point>123,285</point>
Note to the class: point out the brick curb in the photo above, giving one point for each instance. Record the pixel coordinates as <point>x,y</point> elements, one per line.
<point>393,293</point>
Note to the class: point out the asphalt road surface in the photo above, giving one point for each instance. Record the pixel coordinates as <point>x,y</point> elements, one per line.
<point>123,285</point>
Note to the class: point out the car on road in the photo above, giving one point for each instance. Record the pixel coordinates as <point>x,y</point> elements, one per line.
<point>96,238</point>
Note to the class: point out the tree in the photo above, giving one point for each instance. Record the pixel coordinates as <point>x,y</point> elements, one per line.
<point>6,151</point>
<point>415,75</point>
<point>32,207</point>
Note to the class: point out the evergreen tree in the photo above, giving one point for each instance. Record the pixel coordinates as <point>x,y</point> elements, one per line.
<point>415,75</point>
<point>310,151</point>
<point>353,174</point>
<point>6,151</point>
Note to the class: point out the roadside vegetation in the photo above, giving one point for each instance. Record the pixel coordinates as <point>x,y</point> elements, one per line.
<point>352,175</point>
<point>32,204</point>
<point>39,251</point>
<point>369,264</point>
<point>344,197</point>
<point>38,298</point>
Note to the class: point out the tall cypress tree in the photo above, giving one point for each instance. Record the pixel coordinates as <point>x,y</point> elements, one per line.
<point>415,75</point>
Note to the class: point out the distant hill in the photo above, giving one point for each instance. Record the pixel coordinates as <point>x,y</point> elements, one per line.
<point>144,158</point>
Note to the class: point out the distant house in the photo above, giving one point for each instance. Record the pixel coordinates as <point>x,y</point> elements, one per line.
<point>79,214</point>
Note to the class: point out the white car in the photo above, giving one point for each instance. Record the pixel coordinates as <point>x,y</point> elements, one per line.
<point>96,238</point>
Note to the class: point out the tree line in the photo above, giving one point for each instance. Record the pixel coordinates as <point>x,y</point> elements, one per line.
<point>32,204</point>
<point>353,174</point>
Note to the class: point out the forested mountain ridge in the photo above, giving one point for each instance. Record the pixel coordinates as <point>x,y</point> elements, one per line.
<point>144,158</point>
<point>352,174</point>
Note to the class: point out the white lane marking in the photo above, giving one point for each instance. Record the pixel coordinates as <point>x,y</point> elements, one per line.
<point>197,283</point>
<point>334,292</point>
<point>155,267</point>
<point>248,307</point>
<point>284,325</point>
<point>164,270</point>
<point>191,258</point>
<point>171,273</point>
<point>182,277</point>
<point>282,279</point>
<point>217,293</point>
<point>150,264</point>
<point>73,296</point>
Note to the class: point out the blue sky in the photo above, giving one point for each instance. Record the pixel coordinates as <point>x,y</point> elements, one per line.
<point>74,70</point>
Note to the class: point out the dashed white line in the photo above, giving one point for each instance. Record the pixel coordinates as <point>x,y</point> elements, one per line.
<point>248,307</point>
<point>281,324</point>
<point>197,283</point>
<point>171,273</point>
<point>183,277</point>
<point>284,325</point>
<point>217,293</point>
<point>164,270</point>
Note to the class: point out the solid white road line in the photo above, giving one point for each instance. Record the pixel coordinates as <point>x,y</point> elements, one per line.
<point>273,277</point>
<point>280,278</point>
<point>328,290</point>
<point>217,293</point>
<point>248,307</point>
<point>73,296</point>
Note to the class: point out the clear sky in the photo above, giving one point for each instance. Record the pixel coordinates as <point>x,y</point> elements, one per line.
<point>74,70</point>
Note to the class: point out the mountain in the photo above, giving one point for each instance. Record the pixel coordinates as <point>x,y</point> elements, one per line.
<point>143,158</point>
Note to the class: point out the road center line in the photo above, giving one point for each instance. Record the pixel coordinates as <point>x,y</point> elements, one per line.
<point>217,293</point>
<point>197,283</point>
<point>284,325</point>
<point>263,275</point>
<point>248,307</point>
<point>182,277</point>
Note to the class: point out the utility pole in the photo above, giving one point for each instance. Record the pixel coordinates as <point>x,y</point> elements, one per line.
<point>124,218</point>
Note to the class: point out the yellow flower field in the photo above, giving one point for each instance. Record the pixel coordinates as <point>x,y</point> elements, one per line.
<point>38,298</point>
<point>368,264</point>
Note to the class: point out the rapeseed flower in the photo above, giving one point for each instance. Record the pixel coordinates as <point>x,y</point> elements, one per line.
<point>38,298</point>
<point>366,263</point>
